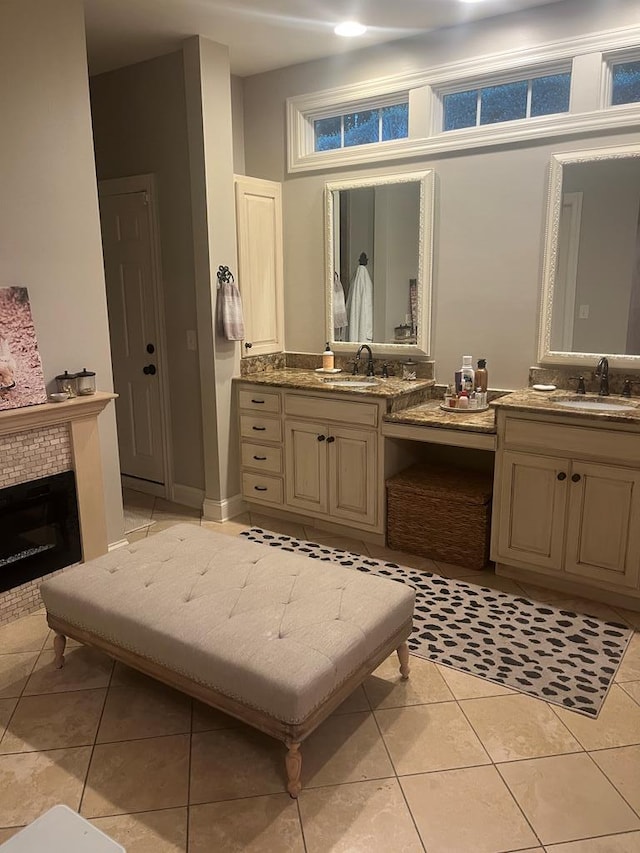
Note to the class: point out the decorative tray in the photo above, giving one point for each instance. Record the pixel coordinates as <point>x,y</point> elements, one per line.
<point>467,411</point>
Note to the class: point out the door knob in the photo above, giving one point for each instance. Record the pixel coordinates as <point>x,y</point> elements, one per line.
<point>331,439</point>
<point>149,370</point>
<point>575,478</point>
<point>151,349</point>
<point>562,476</point>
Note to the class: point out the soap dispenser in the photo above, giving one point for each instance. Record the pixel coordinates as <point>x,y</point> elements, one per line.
<point>327,358</point>
<point>482,377</point>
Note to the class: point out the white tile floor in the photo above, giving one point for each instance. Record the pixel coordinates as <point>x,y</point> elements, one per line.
<point>445,762</point>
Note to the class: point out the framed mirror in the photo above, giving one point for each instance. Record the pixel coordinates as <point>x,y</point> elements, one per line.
<point>591,272</point>
<point>379,255</point>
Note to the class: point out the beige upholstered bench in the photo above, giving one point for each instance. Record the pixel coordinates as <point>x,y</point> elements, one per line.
<point>273,638</point>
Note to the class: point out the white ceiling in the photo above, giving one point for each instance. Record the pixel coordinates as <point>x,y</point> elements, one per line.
<point>266,34</point>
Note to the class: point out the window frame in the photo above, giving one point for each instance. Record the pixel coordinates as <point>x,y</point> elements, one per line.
<point>375,104</point>
<point>609,59</point>
<point>424,88</point>
<point>484,82</point>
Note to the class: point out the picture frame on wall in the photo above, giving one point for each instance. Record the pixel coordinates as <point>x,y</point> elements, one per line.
<point>21,377</point>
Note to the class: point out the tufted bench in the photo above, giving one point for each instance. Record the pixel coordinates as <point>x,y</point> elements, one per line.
<point>273,638</point>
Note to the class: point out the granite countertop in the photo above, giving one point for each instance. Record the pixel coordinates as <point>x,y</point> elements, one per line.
<point>528,400</point>
<point>431,415</point>
<point>392,388</point>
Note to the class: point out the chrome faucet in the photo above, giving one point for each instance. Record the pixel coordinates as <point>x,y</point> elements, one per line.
<point>602,370</point>
<point>357,360</point>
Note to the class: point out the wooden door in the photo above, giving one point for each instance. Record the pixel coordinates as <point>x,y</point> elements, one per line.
<point>532,507</point>
<point>133,325</point>
<point>353,486</point>
<point>306,466</point>
<point>260,255</point>
<point>603,532</point>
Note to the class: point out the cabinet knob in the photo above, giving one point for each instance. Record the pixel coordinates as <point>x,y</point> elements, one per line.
<point>562,476</point>
<point>248,345</point>
<point>331,439</point>
<point>575,478</point>
<point>321,437</point>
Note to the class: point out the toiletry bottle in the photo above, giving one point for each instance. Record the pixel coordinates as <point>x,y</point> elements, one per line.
<point>463,401</point>
<point>327,358</point>
<point>467,374</point>
<point>481,374</point>
<point>458,381</point>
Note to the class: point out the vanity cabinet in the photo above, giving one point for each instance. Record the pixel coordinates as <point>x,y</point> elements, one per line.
<point>571,512</point>
<point>316,456</point>
<point>331,470</point>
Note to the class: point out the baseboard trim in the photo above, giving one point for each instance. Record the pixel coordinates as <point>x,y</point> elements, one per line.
<point>145,486</point>
<point>113,546</point>
<point>223,510</point>
<point>187,495</point>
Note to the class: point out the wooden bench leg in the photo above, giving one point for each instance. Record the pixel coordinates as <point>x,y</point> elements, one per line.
<point>293,761</point>
<point>59,643</point>
<point>403,657</point>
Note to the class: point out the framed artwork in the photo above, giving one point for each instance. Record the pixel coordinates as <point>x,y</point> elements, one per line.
<point>21,377</point>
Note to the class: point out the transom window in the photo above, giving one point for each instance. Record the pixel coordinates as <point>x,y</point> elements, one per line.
<point>625,82</point>
<point>362,127</point>
<point>537,96</point>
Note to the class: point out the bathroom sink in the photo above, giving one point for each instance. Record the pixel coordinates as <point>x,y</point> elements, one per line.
<point>351,381</point>
<point>597,405</point>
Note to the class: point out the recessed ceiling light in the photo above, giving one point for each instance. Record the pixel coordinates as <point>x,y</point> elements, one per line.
<point>350,29</point>
<point>471,1</point>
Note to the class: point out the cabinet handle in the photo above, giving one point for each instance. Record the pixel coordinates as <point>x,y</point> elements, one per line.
<point>260,458</point>
<point>575,478</point>
<point>562,476</point>
<point>259,429</point>
<point>260,488</point>
<point>257,401</point>
<point>331,439</point>
<point>321,437</point>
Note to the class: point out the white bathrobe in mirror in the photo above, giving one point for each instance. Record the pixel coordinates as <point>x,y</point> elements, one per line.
<point>360,306</point>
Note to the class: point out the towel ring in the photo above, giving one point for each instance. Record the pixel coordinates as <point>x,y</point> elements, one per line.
<point>224,275</point>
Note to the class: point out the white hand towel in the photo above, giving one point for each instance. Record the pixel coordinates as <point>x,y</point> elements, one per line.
<point>230,317</point>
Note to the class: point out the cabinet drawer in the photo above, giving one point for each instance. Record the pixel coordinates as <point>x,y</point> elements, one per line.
<point>265,429</point>
<point>575,441</point>
<point>345,411</point>
<point>259,487</point>
<point>257,400</point>
<point>261,457</point>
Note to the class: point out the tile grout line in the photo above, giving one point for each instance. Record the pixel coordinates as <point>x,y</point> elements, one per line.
<point>396,776</point>
<point>189,775</point>
<point>495,767</point>
<point>93,748</point>
<point>613,784</point>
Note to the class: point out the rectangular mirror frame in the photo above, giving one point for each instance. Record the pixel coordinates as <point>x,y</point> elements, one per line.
<point>552,227</point>
<point>426,180</point>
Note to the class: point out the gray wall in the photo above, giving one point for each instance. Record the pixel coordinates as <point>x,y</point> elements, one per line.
<point>49,223</point>
<point>139,122</point>
<point>490,205</point>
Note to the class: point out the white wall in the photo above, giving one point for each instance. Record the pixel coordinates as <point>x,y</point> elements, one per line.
<point>49,223</point>
<point>140,126</point>
<point>490,205</point>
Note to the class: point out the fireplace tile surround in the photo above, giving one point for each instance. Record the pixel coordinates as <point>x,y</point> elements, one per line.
<point>40,441</point>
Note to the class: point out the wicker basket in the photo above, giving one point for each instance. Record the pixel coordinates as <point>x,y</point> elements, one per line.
<point>441,513</point>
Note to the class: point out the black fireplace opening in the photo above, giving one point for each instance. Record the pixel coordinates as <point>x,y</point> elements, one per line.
<point>39,529</point>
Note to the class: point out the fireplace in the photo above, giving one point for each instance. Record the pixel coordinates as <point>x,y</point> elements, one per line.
<point>39,529</point>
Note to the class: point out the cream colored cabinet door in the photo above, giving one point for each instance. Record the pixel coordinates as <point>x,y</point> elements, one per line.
<point>532,508</point>
<point>260,254</point>
<point>306,466</point>
<point>603,530</point>
<point>353,474</point>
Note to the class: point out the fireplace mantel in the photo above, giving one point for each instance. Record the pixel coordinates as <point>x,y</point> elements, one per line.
<point>81,415</point>
<point>46,414</point>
